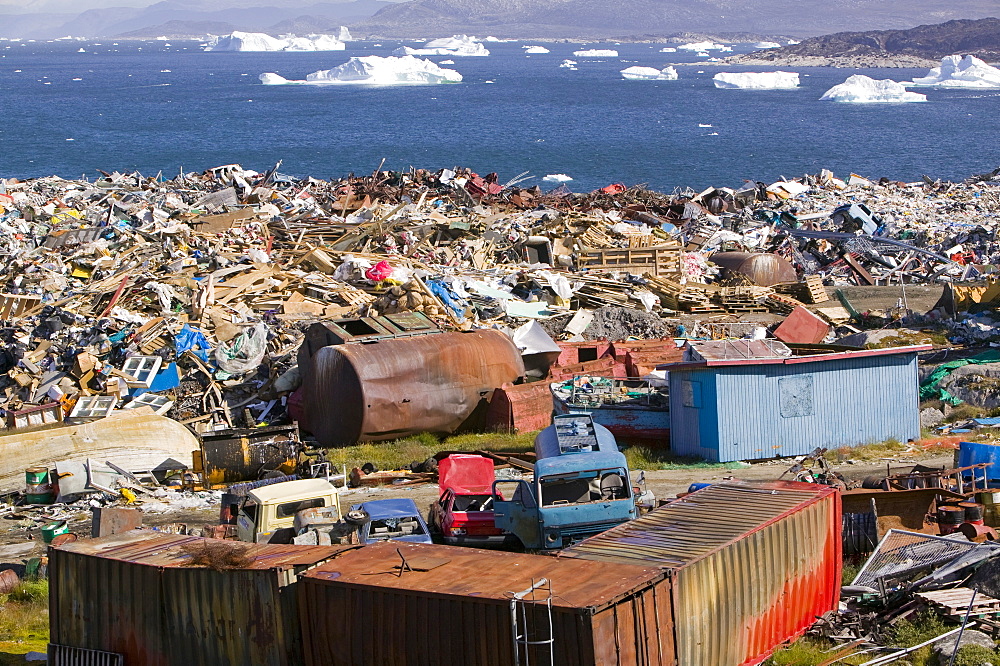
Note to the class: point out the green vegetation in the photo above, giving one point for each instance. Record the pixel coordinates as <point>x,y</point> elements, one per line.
<point>976,655</point>
<point>648,458</point>
<point>849,573</point>
<point>907,338</point>
<point>399,453</point>
<point>803,652</point>
<point>24,621</point>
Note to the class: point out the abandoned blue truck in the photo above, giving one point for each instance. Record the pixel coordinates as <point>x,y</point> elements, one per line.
<point>581,487</point>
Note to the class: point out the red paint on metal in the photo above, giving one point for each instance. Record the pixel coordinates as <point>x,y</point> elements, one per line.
<point>802,327</point>
<point>465,473</point>
<point>602,367</point>
<point>582,351</point>
<point>811,358</point>
<point>520,408</point>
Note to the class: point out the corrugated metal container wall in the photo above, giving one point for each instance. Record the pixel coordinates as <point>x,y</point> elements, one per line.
<point>134,594</point>
<point>763,410</point>
<point>357,611</point>
<point>398,387</point>
<point>752,565</point>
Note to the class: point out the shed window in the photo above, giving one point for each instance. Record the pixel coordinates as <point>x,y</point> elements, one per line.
<point>795,395</point>
<point>691,394</point>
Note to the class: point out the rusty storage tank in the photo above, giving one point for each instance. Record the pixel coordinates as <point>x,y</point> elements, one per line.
<point>751,565</point>
<point>141,595</point>
<point>764,268</point>
<point>387,387</point>
<point>452,606</point>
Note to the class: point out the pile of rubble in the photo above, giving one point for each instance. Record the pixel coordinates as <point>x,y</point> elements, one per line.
<point>189,296</point>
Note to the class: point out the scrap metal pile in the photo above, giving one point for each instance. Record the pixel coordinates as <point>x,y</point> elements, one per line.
<point>188,297</point>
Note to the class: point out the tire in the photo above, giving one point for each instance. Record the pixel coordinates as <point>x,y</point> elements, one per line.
<point>359,517</point>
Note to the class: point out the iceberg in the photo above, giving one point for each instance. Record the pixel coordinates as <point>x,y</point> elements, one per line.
<point>668,49</point>
<point>860,89</point>
<point>568,64</point>
<point>596,53</point>
<point>557,178</point>
<point>535,49</point>
<point>958,72</point>
<point>756,80</point>
<point>649,74</point>
<point>767,45</point>
<point>373,70</point>
<point>704,46</point>
<point>457,45</point>
<point>258,41</point>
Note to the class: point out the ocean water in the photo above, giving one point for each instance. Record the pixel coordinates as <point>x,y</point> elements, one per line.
<point>513,113</point>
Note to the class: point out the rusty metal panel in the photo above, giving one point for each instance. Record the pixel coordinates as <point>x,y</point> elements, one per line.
<point>453,608</point>
<point>246,454</point>
<point>520,408</point>
<point>138,594</point>
<point>602,367</point>
<point>802,327</point>
<point>397,387</point>
<point>581,351</point>
<point>764,268</point>
<point>752,565</point>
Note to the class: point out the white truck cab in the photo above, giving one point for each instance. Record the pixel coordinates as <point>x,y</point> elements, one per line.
<point>267,514</point>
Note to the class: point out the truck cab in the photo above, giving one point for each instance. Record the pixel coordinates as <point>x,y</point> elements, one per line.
<point>581,487</point>
<point>267,514</point>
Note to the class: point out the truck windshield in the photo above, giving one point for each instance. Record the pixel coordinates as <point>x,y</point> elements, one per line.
<point>289,509</point>
<point>583,487</point>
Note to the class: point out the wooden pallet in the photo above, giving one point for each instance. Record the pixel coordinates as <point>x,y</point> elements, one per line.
<point>659,261</point>
<point>954,603</point>
<point>816,290</point>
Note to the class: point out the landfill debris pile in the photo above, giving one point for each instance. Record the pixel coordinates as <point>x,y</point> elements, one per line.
<point>189,296</point>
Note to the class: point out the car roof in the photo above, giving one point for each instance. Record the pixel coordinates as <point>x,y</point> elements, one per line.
<point>389,508</point>
<point>292,490</point>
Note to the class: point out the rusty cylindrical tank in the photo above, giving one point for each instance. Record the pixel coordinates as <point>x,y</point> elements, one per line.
<point>402,386</point>
<point>763,268</point>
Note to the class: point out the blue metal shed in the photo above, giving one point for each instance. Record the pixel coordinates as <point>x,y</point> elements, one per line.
<point>724,409</point>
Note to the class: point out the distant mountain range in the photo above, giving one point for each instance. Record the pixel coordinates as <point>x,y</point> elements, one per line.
<point>604,18</point>
<point>178,18</point>
<point>879,48</point>
<point>584,19</point>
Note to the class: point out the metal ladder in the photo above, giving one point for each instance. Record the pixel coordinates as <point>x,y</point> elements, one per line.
<point>527,634</point>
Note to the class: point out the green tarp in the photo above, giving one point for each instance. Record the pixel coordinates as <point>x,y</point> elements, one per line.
<point>929,387</point>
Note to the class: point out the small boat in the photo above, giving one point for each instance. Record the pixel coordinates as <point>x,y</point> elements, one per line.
<point>631,408</point>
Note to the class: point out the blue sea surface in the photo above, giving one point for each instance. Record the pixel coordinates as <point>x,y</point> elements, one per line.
<point>512,113</point>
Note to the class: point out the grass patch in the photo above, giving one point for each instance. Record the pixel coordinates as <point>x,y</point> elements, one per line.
<point>890,448</point>
<point>803,652</point>
<point>849,573</point>
<point>399,453</point>
<point>648,458</point>
<point>907,338</point>
<point>24,621</point>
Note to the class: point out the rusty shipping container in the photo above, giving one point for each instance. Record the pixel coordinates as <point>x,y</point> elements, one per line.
<point>751,565</point>
<point>453,606</point>
<point>390,388</point>
<point>138,594</point>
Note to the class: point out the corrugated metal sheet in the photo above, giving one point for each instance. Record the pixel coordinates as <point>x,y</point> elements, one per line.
<point>136,594</point>
<point>752,565</point>
<point>520,408</point>
<point>397,387</point>
<point>457,611</point>
<point>762,410</point>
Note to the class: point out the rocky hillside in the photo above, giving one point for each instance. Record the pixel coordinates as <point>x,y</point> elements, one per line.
<point>597,18</point>
<point>888,48</point>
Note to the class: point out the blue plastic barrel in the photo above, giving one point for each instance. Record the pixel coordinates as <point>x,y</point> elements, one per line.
<point>973,453</point>
<point>697,486</point>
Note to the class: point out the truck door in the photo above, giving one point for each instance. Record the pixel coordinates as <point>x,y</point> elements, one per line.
<point>518,515</point>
